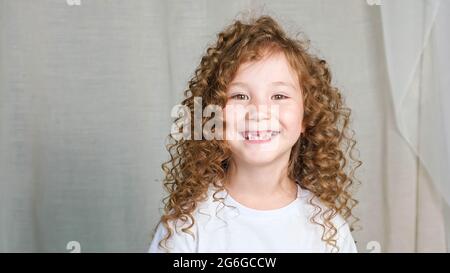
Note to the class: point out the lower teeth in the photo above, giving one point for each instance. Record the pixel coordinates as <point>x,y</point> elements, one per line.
<point>261,138</point>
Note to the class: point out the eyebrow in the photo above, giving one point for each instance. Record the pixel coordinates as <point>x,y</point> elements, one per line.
<point>277,83</point>
<point>281,83</point>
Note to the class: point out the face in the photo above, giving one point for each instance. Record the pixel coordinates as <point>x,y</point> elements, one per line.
<point>264,111</point>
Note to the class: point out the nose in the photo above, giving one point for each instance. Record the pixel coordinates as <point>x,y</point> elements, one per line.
<point>258,112</point>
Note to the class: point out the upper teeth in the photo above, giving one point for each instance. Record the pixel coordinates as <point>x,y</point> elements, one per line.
<point>264,135</point>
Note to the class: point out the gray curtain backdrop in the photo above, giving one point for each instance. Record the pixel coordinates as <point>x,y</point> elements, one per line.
<point>86,90</point>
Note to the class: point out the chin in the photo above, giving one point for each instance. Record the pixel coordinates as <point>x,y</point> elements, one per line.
<point>258,156</point>
<point>259,161</point>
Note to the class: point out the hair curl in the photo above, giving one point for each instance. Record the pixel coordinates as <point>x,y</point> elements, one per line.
<point>322,160</point>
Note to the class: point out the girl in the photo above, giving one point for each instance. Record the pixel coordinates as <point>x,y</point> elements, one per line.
<point>282,183</point>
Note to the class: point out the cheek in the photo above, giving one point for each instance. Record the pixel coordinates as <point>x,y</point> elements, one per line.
<point>234,117</point>
<point>291,120</point>
<point>229,118</point>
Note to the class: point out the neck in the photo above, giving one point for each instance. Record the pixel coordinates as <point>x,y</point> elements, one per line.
<point>261,181</point>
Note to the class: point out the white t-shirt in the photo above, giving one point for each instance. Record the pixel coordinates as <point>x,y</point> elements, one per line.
<point>219,228</point>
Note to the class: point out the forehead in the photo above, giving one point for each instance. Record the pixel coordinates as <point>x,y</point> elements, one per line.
<point>271,68</point>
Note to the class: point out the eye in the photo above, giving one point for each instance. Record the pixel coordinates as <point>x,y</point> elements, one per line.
<point>279,97</point>
<point>239,97</point>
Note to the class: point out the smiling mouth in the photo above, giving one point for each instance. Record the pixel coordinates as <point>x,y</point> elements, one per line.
<point>259,136</point>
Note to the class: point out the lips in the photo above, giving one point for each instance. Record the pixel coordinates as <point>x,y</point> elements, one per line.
<point>264,135</point>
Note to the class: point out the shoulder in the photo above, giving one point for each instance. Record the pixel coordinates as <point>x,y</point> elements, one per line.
<point>314,207</point>
<point>179,241</point>
<point>184,236</point>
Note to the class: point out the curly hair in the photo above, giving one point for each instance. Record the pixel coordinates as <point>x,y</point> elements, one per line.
<point>322,159</point>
